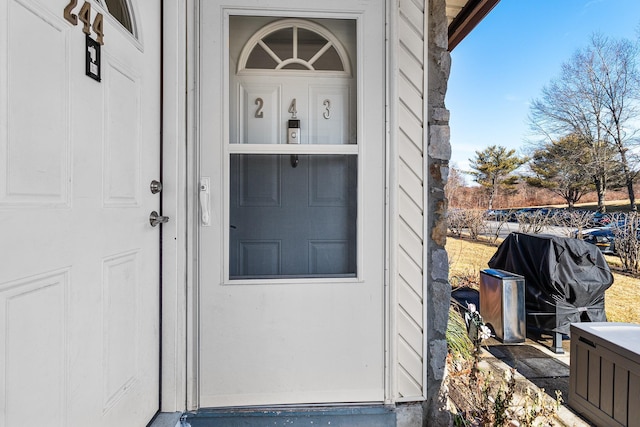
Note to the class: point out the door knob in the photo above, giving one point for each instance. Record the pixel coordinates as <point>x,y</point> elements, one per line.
<point>155,219</point>
<point>155,187</point>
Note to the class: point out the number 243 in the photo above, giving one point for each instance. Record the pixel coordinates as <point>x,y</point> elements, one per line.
<point>84,15</point>
<point>259,114</point>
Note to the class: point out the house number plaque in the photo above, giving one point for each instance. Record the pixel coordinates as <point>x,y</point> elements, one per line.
<point>259,113</point>
<point>84,15</point>
<point>92,58</point>
<point>327,109</point>
<point>260,103</point>
<point>92,47</point>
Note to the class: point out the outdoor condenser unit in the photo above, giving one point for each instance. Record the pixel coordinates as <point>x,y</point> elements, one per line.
<point>502,304</point>
<point>604,377</point>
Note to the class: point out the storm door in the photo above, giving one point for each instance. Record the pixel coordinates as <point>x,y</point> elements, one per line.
<point>291,298</point>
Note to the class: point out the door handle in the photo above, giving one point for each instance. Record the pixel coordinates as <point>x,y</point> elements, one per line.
<point>155,186</point>
<point>155,219</point>
<point>204,201</point>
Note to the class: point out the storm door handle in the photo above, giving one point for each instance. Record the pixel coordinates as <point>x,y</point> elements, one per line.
<point>205,192</point>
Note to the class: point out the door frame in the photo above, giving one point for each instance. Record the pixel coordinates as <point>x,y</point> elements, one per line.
<point>176,270</point>
<point>179,317</point>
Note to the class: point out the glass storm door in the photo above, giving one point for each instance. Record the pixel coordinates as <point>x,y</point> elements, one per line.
<point>291,295</point>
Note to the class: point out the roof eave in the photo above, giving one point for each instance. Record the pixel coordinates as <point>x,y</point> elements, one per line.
<point>472,13</point>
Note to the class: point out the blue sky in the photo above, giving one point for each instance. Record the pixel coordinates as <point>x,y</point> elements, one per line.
<point>506,60</point>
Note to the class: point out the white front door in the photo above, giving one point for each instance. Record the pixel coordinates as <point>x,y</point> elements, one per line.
<point>291,158</point>
<point>79,260</point>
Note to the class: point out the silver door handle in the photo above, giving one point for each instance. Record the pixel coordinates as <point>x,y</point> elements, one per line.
<point>205,194</point>
<point>155,219</point>
<point>155,186</point>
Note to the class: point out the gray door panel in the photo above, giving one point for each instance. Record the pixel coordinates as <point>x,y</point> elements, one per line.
<point>293,221</point>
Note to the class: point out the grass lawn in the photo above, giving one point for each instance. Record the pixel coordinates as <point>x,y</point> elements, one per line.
<point>467,258</point>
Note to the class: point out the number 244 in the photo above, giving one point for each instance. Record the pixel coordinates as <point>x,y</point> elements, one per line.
<point>84,15</point>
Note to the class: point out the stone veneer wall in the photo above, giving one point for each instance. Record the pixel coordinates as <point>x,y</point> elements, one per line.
<point>439,153</point>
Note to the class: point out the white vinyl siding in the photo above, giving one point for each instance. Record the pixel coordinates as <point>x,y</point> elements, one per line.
<point>409,218</point>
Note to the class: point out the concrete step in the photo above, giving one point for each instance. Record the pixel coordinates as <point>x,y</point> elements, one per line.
<point>343,416</point>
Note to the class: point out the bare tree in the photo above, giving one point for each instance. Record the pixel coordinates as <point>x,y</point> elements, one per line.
<point>471,221</point>
<point>595,98</point>
<point>454,187</point>
<point>573,222</point>
<point>534,222</point>
<point>627,241</point>
<point>612,63</point>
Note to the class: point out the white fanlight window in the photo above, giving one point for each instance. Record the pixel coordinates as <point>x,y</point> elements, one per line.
<point>121,11</point>
<point>293,182</point>
<point>294,45</point>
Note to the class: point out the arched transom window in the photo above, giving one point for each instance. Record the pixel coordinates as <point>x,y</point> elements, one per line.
<point>294,44</point>
<point>121,11</point>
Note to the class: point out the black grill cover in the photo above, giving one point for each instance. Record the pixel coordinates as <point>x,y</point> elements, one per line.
<point>565,278</point>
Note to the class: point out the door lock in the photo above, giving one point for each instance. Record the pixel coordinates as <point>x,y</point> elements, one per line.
<point>155,187</point>
<point>155,219</point>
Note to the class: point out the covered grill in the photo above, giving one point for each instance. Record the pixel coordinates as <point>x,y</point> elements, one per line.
<point>565,280</point>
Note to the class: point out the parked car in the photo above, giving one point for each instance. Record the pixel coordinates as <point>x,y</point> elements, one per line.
<point>526,212</point>
<point>532,214</point>
<point>600,219</point>
<point>498,214</point>
<point>602,237</point>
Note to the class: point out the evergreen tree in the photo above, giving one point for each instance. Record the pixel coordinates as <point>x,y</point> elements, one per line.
<point>560,167</point>
<point>493,167</point>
